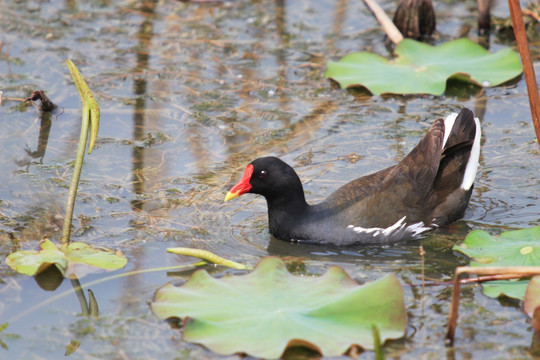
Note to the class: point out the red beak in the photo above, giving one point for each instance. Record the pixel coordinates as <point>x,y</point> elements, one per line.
<point>243,186</point>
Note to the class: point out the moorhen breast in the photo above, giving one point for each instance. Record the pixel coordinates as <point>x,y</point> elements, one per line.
<point>429,188</point>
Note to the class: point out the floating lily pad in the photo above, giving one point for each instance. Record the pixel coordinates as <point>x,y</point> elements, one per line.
<point>421,68</point>
<point>266,311</point>
<point>31,262</point>
<point>511,288</point>
<point>511,248</point>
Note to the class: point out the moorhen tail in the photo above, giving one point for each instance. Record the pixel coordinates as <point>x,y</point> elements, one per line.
<point>429,188</point>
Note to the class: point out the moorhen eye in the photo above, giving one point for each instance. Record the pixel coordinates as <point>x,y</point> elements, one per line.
<point>429,188</point>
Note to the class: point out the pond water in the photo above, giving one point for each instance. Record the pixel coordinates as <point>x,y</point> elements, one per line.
<point>189,94</point>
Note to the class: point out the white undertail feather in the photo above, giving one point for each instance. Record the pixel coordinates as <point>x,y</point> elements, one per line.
<point>448,125</point>
<point>472,165</point>
<point>418,228</point>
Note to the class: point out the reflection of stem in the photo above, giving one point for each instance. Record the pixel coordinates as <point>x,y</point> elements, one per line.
<point>99,281</point>
<point>66,229</point>
<point>89,308</point>
<point>92,304</point>
<point>422,253</point>
<point>43,138</point>
<point>337,25</point>
<point>484,19</point>
<point>80,295</point>
<point>484,22</point>
<point>44,131</point>
<point>144,35</point>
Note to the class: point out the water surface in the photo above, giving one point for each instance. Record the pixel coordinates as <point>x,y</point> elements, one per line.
<point>192,92</point>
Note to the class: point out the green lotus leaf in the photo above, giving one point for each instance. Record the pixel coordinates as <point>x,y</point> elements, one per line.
<point>32,262</point>
<point>511,248</point>
<point>421,68</point>
<point>265,311</point>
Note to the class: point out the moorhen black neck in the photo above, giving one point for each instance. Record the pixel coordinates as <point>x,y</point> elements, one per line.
<point>429,188</point>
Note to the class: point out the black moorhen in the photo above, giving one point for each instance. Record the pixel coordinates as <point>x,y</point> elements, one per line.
<point>429,188</point>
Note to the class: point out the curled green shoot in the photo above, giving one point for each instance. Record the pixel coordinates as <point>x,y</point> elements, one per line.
<point>90,121</point>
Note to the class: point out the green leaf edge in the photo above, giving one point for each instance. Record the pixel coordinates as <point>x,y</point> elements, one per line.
<point>404,46</point>
<point>335,273</point>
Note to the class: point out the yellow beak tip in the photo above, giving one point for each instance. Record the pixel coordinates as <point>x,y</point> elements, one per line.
<point>231,195</point>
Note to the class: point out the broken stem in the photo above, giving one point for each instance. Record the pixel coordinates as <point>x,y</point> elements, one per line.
<point>388,26</point>
<point>528,69</point>
<point>512,271</point>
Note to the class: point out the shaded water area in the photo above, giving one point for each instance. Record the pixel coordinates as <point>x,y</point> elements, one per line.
<point>192,92</point>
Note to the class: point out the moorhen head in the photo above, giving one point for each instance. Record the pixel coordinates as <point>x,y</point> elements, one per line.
<point>429,188</point>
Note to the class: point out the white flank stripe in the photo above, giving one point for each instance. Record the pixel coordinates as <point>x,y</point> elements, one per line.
<point>415,229</point>
<point>472,165</point>
<point>377,230</point>
<point>448,125</point>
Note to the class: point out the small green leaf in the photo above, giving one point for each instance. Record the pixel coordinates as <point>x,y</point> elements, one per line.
<point>78,252</point>
<point>92,304</point>
<point>511,248</point>
<point>47,244</point>
<point>31,262</point>
<point>420,68</point>
<point>264,312</point>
